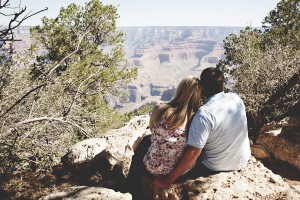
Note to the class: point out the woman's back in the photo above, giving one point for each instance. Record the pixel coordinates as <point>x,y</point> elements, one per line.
<point>166,148</point>
<point>168,125</point>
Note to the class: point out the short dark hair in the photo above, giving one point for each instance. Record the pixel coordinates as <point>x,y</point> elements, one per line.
<point>212,80</point>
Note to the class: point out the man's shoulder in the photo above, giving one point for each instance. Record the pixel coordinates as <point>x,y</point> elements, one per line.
<point>232,95</point>
<point>205,112</point>
<point>223,101</point>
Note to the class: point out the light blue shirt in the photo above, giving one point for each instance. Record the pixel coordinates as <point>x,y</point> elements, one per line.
<point>220,129</point>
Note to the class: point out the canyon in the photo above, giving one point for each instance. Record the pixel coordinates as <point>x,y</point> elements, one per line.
<point>163,56</point>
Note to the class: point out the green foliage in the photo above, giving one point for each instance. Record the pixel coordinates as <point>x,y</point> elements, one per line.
<point>237,46</point>
<point>58,98</point>
<point>283,23</point>
<point>143,110</point>
<point>264,64</point>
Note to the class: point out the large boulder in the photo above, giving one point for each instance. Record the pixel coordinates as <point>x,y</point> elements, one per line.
<point>253,182</point>
<point>84,150</point>
<point>87,193</point>
<point>282,140</point>
<point>108,156</point>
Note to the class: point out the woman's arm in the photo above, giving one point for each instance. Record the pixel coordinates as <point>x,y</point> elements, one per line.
<point>186,162</point>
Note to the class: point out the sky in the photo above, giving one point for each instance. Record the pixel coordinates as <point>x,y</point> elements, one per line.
<point>167,12</point>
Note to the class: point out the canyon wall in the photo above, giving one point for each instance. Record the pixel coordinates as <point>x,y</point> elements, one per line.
<point>163,56</point>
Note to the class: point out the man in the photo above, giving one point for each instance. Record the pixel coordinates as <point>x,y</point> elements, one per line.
<point>218,133</point>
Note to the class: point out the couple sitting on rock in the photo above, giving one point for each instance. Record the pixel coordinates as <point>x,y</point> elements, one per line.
<point>189,140</point>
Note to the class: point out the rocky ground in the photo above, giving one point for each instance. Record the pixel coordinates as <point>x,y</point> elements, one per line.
<point>93,168</point>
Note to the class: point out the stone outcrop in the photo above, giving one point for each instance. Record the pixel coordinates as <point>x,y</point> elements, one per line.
<point>168,94</point>
<point>282,140</point>
<point>253,182</point>
<point>157,90</point>
<point>134,94</point>
<point>88,193</point>
<point>112,101</point>
<point>164,55</point>
<point>112,155</point>
<point>260,152</point>
<point>84,150</point>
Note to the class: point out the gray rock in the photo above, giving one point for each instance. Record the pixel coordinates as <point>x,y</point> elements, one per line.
<point>109,156</point>
<point>253,182</point>
<point>113,162</point>
<point>134,94</point>
<point>87,193</point>
<point>84,150</point>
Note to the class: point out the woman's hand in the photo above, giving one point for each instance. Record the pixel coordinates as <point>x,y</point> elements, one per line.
<point>161,182</point>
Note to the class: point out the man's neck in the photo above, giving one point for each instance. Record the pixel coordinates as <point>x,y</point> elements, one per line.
<point>208,97</point>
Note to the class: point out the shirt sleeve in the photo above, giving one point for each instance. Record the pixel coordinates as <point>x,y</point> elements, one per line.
<point>199,129</point>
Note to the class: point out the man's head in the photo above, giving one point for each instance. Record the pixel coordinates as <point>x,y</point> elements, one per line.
<point>212,80</point>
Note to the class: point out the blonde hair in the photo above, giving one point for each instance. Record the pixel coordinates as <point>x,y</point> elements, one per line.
<point>185,102</point>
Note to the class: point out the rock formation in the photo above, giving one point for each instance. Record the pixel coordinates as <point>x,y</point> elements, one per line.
<point>253,182</point>
<point>282,140</point>
<point>88,193</point>
<point>109,157</point>
<point>168,94</point>
<point>163,55</point>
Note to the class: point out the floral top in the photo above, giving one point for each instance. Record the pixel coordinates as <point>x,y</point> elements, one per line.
<point>167,146</point>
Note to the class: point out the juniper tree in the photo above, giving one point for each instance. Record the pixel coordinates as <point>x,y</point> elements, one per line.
<point>57,98</point>
<point>264,64</point>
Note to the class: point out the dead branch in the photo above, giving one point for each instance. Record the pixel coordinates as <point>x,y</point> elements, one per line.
<point>77,92</point>
<point>23,97</point>
<point>5,4</point>
<point>46,81</point>
<point>61,120</point>
<point>7,33</point>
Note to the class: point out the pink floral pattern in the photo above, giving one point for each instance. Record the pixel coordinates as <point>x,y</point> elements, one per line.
<point>165,150</point>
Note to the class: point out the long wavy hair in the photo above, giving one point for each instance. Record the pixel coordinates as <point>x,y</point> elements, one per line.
<point>185,102</point>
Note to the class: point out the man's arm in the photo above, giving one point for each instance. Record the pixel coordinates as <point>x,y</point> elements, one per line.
<point>186,162</point>
<point>198,135</point>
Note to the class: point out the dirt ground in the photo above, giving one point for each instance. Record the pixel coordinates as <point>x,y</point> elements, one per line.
<point>35,185</point>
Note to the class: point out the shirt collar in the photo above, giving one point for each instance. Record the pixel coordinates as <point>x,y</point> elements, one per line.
<point>215,96</point>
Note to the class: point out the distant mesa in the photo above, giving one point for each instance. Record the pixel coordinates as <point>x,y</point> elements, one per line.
<point>163,55</point>
<point>168,94</point>
<point>173,50</point>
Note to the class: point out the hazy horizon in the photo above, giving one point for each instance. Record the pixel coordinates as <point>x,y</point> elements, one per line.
<point>134,13</point>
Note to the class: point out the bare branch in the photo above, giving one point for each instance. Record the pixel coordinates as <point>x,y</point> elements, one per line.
<point>77,92</point>
<point>22,98</point>
<point>5,5</point>
<point>28,121</point>
<point>7,33</point>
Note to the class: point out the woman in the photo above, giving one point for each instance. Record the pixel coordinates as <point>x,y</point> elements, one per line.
<point>168,124</point>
